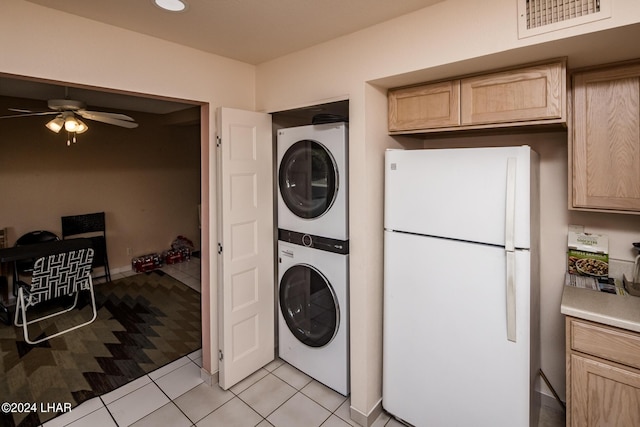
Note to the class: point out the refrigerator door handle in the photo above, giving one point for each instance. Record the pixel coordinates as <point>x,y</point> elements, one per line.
<point>510,208</point>
<point>511,296</point>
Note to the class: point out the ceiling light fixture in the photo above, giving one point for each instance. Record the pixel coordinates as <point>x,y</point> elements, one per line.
<point>56,124</point>
<point>70,123</point>
<point>171,5</point>
<point>74,125</point>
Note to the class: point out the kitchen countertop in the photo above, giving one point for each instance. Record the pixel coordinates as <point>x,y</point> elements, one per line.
<point>622,311</point>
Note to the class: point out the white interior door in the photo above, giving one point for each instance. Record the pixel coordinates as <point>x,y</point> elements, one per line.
<point>245,251</point>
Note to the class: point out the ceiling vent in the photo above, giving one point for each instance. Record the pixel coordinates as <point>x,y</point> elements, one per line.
<point>543,16</point>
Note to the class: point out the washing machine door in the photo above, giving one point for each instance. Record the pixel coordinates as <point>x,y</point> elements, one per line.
<point>309,305</point>
<point>308,179</point>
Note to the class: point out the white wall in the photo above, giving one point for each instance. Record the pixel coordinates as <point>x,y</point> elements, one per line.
<point>448,39</point>
<point>33,42</point>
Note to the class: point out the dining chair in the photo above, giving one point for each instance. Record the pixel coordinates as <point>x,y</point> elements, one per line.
<point>92,226</point>
<point>22,269</point>
<point>55,276</point>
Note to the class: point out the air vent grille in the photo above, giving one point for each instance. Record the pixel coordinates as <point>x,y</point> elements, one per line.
<point>543,16</point>
<point>545,12</point>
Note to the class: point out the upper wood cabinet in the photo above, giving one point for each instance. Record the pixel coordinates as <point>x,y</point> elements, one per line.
<point>431,106</point>
<point>530,95</point>
<point>604,147</point>
<point>527,94</point>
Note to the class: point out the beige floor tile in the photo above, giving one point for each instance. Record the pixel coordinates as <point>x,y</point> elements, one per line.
<point>323,395</point>
<point>335,421</point>
<point>125,389</point>
<point>394,423</point>
<point>299,411</point>
<point>76,413</point>
<point>249,381</point>
<point>267,395</point>
<point>100,418</point>
<point>382,420</point>
<point>137,404</point>
<point>168,415</point>
<point>274,364</point>
<point>200,401</point>
<point>169,367</point>
<point>234,413</point>
<point>344,412</point>
<point>292,376</point>
<point>180,380</point>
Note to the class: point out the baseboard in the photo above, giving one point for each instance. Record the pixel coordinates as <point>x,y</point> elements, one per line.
<point>209,379</point>
<point>118,270</point>
<point>366,420</point>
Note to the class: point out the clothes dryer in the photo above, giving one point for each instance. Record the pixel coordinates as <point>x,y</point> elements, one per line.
<point>313,317</point>
<point>312,180</point>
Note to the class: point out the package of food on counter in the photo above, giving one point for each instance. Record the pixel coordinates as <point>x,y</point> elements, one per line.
<point>583,282</point>
<point>588,254</point>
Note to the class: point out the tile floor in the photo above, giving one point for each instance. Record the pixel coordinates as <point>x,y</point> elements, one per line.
<point>277,395</point>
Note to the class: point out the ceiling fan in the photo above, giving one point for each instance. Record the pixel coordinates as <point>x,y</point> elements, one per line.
<point>66,113</point>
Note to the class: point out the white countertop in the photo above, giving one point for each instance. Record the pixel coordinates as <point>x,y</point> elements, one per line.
<point>622,311</point>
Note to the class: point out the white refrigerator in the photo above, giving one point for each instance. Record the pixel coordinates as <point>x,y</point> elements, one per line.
<point>461,287</point>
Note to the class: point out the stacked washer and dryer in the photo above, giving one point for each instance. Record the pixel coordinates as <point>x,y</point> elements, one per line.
<point>313,252</point>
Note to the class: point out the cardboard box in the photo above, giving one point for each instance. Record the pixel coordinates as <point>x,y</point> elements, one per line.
<point>145,263</point>
<point>174,256</point>
<point>588,254</point>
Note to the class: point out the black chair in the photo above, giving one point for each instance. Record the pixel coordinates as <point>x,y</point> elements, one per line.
<point>93,227</point>
<point>24,268</point>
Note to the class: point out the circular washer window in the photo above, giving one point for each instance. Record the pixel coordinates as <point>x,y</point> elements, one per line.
<point>309,305</point>
<point>308,179</point>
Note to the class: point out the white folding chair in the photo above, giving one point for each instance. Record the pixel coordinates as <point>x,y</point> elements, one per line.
<point>55,276</point>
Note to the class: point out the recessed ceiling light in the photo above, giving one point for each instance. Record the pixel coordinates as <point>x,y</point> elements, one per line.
<point>171,5</point>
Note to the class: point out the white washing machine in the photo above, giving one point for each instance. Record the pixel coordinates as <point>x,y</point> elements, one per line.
<point>312,180</point>
<point>313,316</point>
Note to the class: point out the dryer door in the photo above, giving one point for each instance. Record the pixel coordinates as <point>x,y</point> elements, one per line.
<point>308,179</point>
<point>309,305</point>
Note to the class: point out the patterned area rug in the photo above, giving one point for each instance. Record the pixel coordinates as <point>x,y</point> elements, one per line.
<point>144,322</point>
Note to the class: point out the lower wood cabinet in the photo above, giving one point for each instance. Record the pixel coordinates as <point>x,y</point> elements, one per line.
<point>603,375</point>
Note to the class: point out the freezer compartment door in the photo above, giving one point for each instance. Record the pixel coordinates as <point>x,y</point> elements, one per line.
<point>446,335</point>
<point>462,193</point>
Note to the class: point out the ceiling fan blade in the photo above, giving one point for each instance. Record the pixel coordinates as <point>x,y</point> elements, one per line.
<point>22,110</point>
<point>112,121</point>
<point>29,115</point>
<point>91,115</point>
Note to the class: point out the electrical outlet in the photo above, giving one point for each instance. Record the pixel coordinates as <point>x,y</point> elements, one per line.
<point>129,251</point>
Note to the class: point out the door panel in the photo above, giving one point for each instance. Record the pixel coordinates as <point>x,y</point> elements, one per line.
<point>458,193</point>
<point>245,232</point>
<point>445,333</point>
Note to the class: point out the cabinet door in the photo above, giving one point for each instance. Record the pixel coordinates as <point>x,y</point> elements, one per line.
<point>422,107</point>
<point>528,94</point>
<point>603,394</point>
<point>606,139</point>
